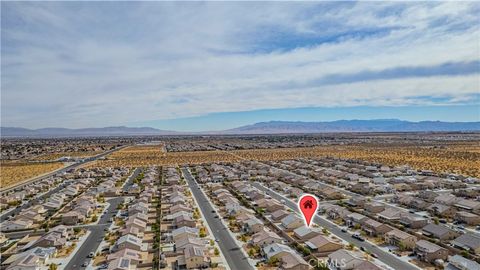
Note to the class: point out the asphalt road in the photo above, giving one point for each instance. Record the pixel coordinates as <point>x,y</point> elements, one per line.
<point>129,181</point>
<point>231,251</point>
<point>386,257</point>
<point>97,233</point>
<point>31,202</point>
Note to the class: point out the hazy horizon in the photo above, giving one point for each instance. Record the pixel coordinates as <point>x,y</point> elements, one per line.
<point>192,66</point>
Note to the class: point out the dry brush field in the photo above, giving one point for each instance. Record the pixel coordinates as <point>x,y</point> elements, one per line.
<point>54,156</point>
<point>15,172</point>
<point>461,158</point>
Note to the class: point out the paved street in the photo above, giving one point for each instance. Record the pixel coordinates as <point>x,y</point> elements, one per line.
<point>30,203</point>
<point>386,257</point>
<point>129,181</point>
<point>232,253</point>
<point>97,233</point>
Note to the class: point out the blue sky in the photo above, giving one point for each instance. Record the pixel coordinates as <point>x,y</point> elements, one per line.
<point>213,65</point>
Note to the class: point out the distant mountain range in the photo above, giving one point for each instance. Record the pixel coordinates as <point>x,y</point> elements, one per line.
<point>272,127</point>
<point>383,125</point>
<point>66,132</point>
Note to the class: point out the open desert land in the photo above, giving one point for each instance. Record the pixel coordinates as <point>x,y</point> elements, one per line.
<point>76,154</point>
<point>460,158</point>
<point>14,172</point>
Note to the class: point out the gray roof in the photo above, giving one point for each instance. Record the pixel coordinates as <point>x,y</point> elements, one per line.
<point>436,230</point>
<point>467,241</point>
<point>463,263</point>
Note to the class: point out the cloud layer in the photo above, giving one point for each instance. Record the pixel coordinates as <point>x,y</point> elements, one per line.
<point>89,64</point>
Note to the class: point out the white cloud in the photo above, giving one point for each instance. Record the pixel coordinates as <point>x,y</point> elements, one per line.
<point>98,64</point>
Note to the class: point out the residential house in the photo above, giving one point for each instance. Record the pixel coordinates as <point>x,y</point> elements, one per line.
<point>252,225</point>
<point>467,218</point>
<point>439,231</point>
<point>343,260</point>
<point>305,233</point>
<point>469,242</point>
<point>468,205</point>
<point>413,221</point>
<point>73,218</point>
<point>186,242</point>
<point>441,210</point>
<point>357,201</point>
<point>293,261</point>
<point>391,214</point>
<point>374,207</point>
<point>136,257</point>
<point>264,238</point>
<point>183,220</point>
<point>179,207</point>
<point>16,224</point>
<point>458,262</point>
<point>400,239</point>
<point>447,199</point>
<point>278,215</point>
<point>430,252</point>
<point>322,244</point>
<point>374,228</point>
<point>43,254</point>
<point>291,222</point>
<point>355,219</point>
<point>30,262</point>
<point>184,232</point>
<point>129,241</point>
<point>119,264</point>
<point>195,258</point>
<point>276,250</point>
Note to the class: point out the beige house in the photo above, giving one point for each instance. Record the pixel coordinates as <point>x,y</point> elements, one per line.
<point>195,258</point>
<point>430,252</point>
<point>400,239</point>
<point>374,228</point>
<point>322,244</point>
<point>291,222</point>
<point>293,261</point>
<point>468,218</point>
<point>73,218</point>
<point>264,238</point>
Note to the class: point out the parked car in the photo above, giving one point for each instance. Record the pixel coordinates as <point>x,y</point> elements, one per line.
<point>358,237</point>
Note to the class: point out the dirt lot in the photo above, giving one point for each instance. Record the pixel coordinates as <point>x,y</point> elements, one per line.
<point>15,172</point>
<point>54,156</point>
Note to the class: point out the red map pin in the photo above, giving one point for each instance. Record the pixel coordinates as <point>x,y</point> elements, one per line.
<point>308,205</point>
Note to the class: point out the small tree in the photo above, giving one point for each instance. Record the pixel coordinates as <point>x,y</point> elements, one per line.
<point>216,251</point>
<point>52,266</point>
<point>202,232</point>
<point>273,261</point>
